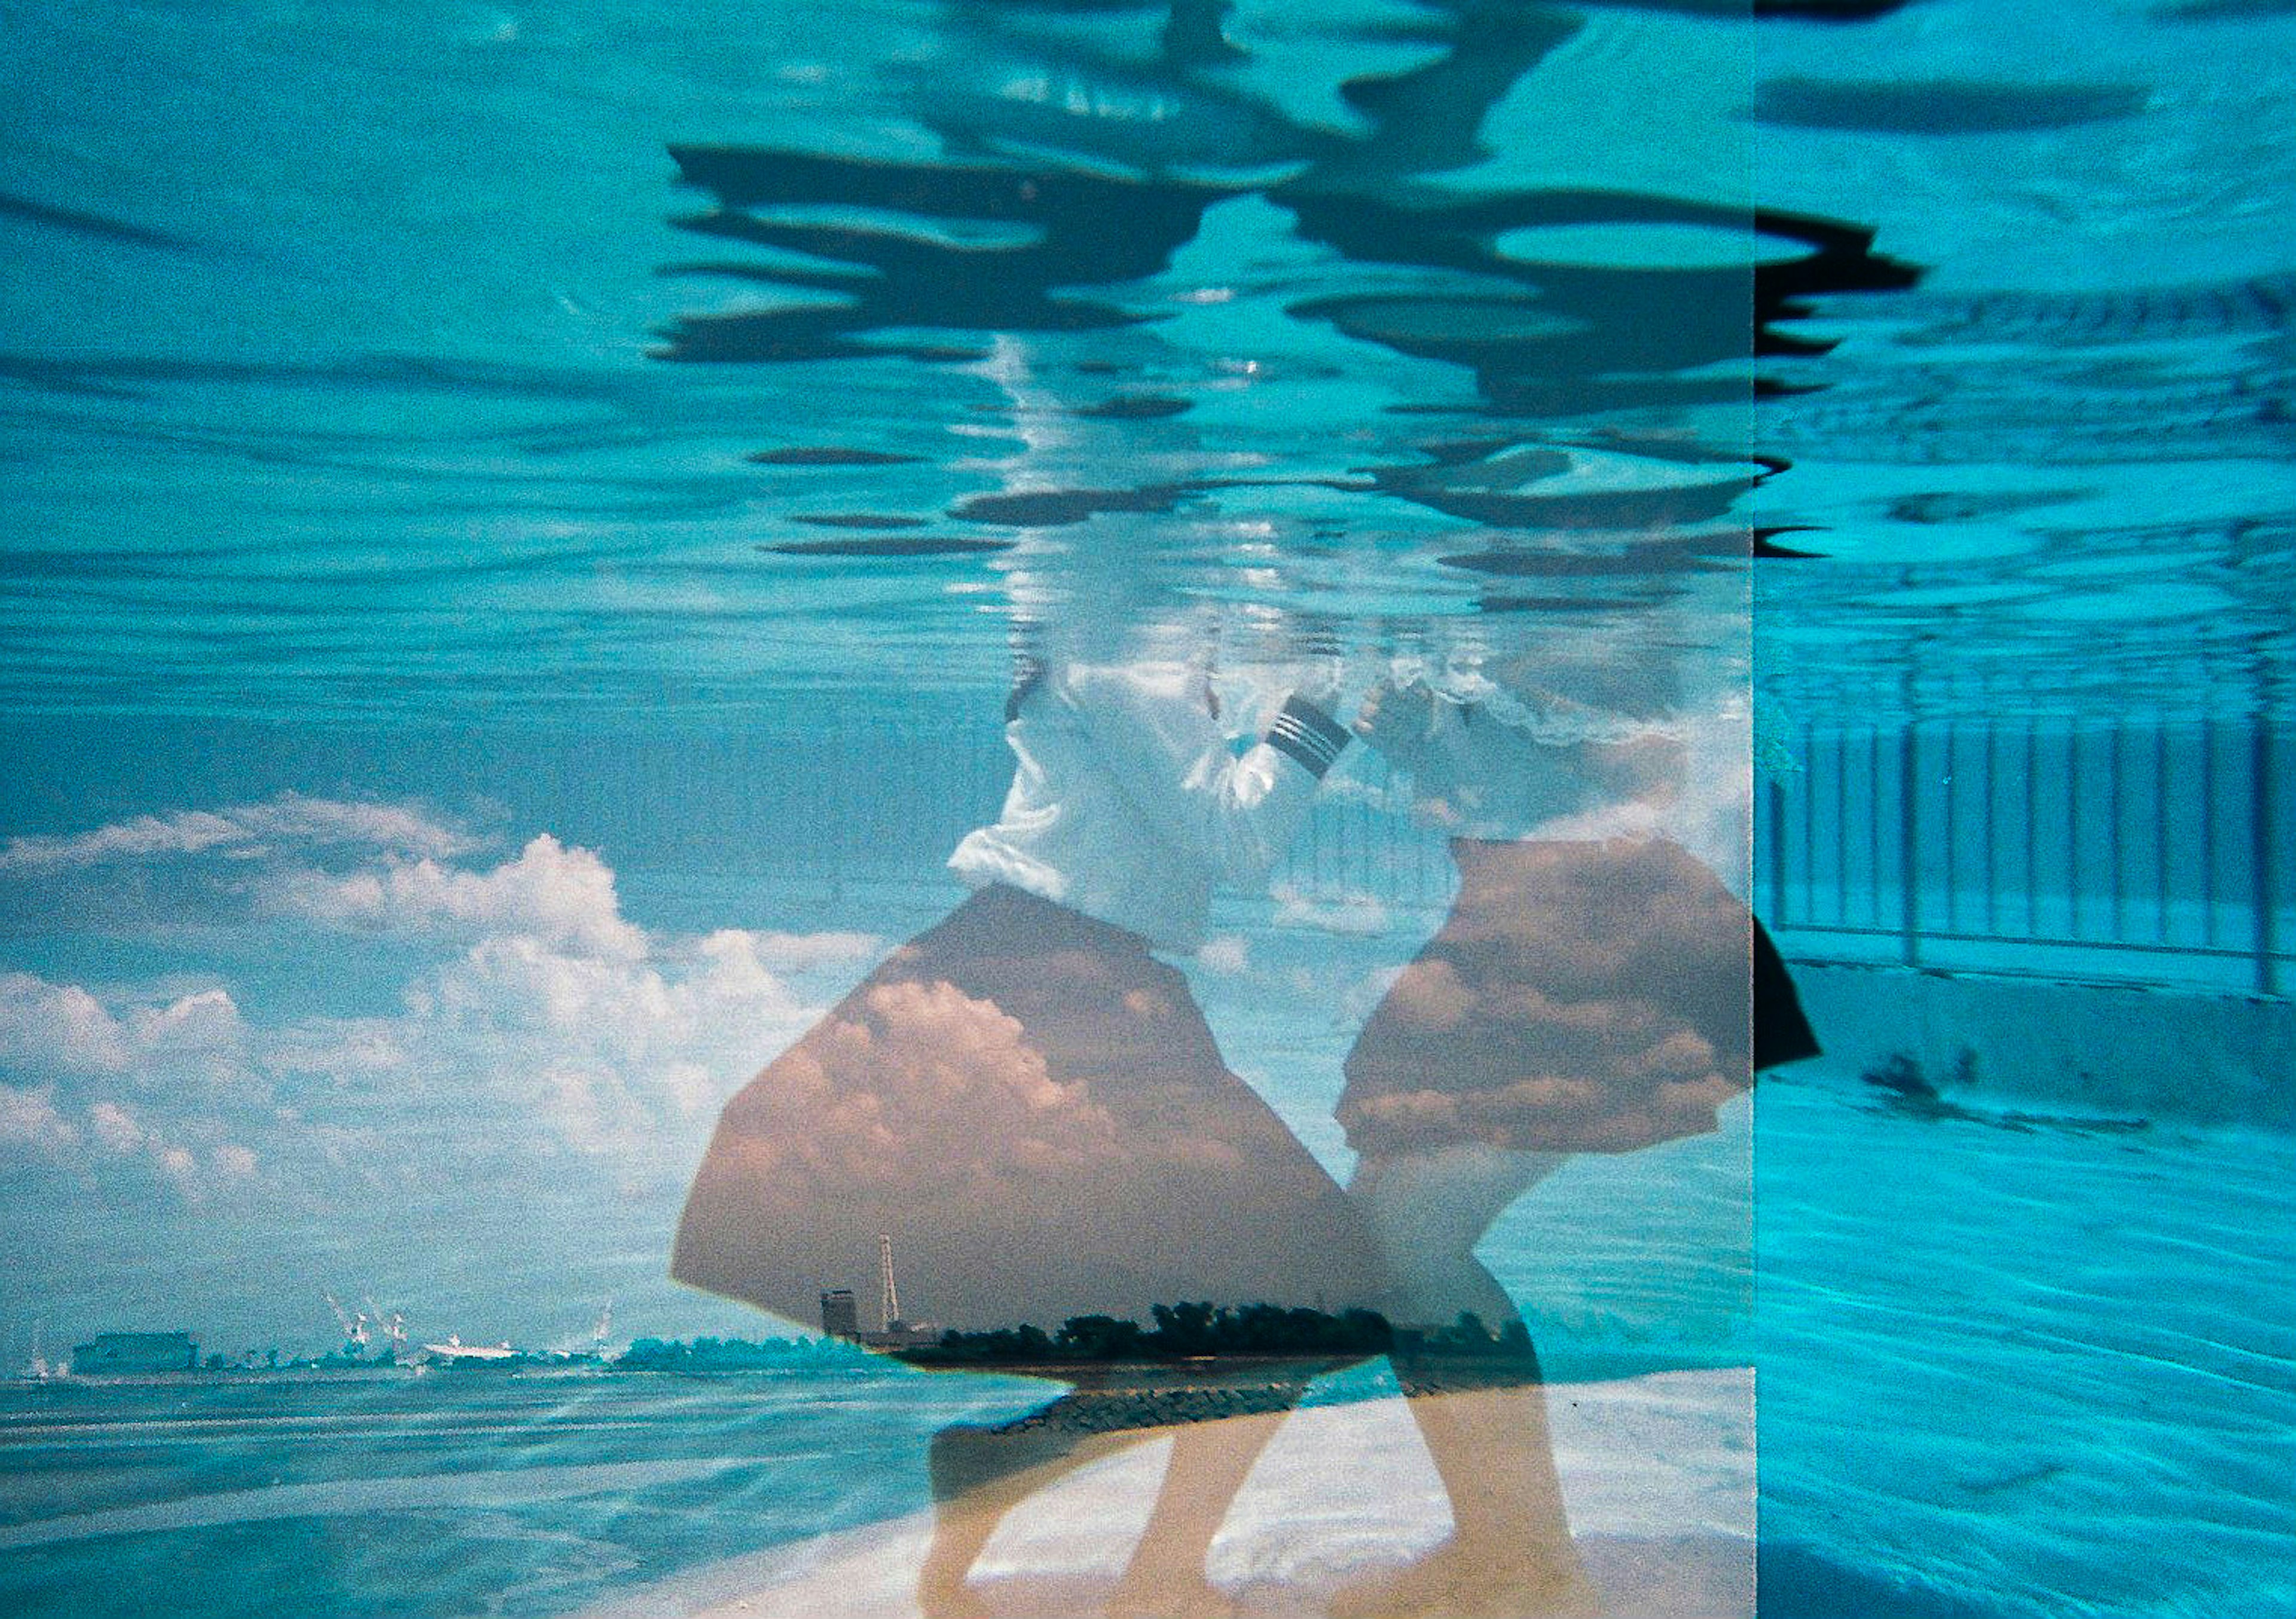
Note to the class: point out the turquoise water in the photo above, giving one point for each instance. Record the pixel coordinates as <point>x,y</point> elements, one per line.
<point>1965,1391</point>
<point>518,523</point>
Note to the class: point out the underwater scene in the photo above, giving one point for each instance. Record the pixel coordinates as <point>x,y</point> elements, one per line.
<point>1024,809</point>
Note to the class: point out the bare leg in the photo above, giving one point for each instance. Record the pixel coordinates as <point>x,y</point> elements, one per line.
<point>1510,1555</point>
<point>1429,1209</point>
<point>1210,1460</point>
<point>979,1475</point>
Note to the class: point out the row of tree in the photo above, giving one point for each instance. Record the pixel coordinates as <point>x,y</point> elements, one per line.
<point>1177,1332</point>
<point>1184,1332</point>
<point>732,1354</point>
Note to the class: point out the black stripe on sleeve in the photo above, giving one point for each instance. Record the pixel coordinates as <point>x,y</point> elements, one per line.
<point>1308,735</point>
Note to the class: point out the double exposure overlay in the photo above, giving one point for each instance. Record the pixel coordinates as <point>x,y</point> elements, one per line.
<point>1154,809</point>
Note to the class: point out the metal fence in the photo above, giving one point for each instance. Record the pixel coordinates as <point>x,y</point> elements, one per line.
<point>2142,851</point>
<point>2147,850</point>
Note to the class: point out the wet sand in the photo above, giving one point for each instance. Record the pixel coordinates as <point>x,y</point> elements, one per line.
<point>1658,1475</point>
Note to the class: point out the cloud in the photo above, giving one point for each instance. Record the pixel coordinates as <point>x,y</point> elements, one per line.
<point>805,952</point>
<point>1041,1136</point>
<point>1358,914</point>
<point>550,891</point>
<point>1433,997</point>
<point>246,832</point>
<point>1360,997</point>
<point>193,1042</point>
<point>619,1058</point>
<point>29,1118</point>
<point>199,1036</point>
<point>343,1048</point>
<point>1582,997</point>
<point>546,1023</point>
<point>1386,794</point>
<point>116,1129</point>
<point>902,1092</point>
<point>1228,953</point>
<point>111,1133</point>
<point>46,1028</point>
<point>512,1046</point>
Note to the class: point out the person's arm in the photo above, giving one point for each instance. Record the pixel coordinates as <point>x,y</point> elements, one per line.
<point>1470,768</point>
<point>1236,813</point>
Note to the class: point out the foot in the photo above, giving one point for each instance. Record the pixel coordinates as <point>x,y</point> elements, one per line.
<point>1454,1582</point>
<point>957,1601</point>
<point>1189,1598</point>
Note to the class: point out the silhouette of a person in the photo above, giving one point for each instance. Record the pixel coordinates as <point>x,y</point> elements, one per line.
<point>1592,990</point>
<point>1030,1103</point>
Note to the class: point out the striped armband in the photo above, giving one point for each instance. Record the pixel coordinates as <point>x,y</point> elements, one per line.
<point>1308,734</point>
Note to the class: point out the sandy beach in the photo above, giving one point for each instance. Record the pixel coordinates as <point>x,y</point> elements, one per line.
<point>1657,1476</point>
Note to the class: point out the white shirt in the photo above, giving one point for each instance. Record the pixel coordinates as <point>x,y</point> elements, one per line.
<point>1129,805</point>
<point>1477,775</point>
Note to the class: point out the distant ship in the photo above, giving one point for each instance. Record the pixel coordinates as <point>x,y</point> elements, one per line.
<point>456,1356</point>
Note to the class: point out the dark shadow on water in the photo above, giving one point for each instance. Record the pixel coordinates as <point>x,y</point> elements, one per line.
<point>855,519</point>
<point>1081,230</point>
<point>1013,235</point>
<point>2224,11</point>
<point>1133,407</point>
<point>77,222</point>
<point>889,545</point>
<point>829,455</point>
<point>1796,1583</point>
<point>1900,1086</point>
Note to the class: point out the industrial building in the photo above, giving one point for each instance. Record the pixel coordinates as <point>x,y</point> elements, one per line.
<point>840,1316</point>
<point>136,1351</point>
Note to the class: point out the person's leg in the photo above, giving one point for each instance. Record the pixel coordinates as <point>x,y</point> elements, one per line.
<point>1427,1211</point>
<point>979,1475</point>
<point>1210,1460</point>
<point>1510,1554</point>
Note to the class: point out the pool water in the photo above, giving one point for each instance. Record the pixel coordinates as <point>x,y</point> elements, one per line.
<point>519,528</point>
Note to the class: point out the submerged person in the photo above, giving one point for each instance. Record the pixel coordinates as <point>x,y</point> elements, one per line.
<point>1029,1105</point>
<point>1596,987</point>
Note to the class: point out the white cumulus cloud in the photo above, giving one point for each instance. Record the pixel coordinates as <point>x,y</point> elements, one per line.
<point>48,1027</point>
<point>115,1128</point>
<point>30,1118</point>
<point>549,891</point>
<point>546,1022</point>
<point>612,1055</point>
<point>1228,953</point>
<point>1361,915</point>
<point>116,1136</point>
<point>195,1041</point>
<point>245,831</point>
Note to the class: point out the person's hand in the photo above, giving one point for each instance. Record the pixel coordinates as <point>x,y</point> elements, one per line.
<point>1397,720</point>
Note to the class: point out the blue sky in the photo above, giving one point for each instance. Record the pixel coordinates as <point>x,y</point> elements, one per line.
<point>287,1025</point>
<point>287,1012</point>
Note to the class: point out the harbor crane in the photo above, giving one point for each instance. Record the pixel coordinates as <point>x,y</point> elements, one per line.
<point>356,1332</point>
